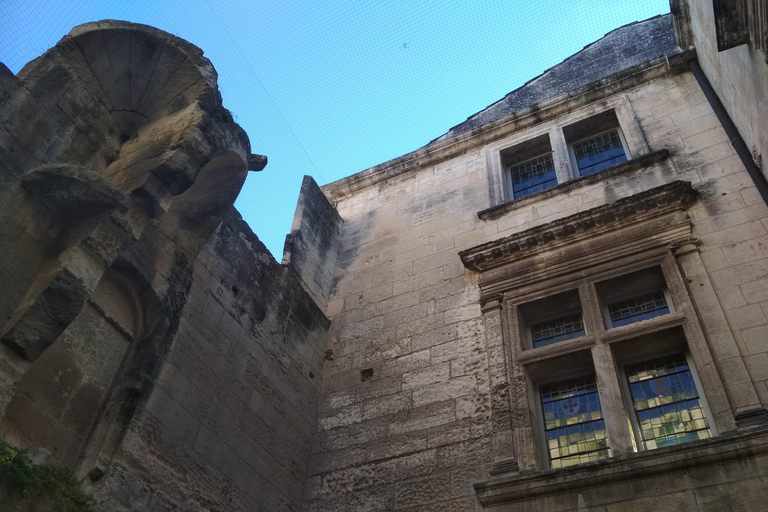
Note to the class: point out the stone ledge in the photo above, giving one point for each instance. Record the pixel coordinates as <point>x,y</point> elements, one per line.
<point>651,204</point>
<point>494,212</point>
<point>725,448</point>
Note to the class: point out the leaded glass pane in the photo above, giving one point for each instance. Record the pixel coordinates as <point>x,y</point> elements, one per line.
<point>666,402</point>
<point>636,309</point>
<point>532,176</point>
<point>559,329</point>
<point>599,152</point>
<point>573,422</point>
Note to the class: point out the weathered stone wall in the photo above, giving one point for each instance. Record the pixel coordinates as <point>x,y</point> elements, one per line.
<point>719,474</point>
<point>418,430</point>
<point>149,340</point>
<point>313,243</point>
<point>228,422</point>
<point>739,76</point>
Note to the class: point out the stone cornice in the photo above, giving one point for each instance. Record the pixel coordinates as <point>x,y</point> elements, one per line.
<point>674,196</point>
<point>516,487</point>
<point>640,162</point>
<point>442,150</point>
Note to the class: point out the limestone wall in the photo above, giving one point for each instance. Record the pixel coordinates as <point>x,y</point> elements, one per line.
<point>739,75</point>
<point>415,402</point>
<point>228,422</point>
<point>150,342</point>
<point>313,243</point>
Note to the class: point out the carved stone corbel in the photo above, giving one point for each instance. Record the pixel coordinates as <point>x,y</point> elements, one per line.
<point>685,245</point>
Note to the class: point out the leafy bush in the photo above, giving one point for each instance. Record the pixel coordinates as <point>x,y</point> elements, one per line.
<point>21,480</point>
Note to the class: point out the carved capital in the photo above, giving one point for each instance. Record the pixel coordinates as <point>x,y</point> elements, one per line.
<point>491,302</point>
<point>685,245</point>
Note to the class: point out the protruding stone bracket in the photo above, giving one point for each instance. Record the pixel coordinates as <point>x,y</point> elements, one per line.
<point>685,245</point>
<point>72,193</point>
<point>257,163</point>
<point>504,467</point>
<point>752,419</point>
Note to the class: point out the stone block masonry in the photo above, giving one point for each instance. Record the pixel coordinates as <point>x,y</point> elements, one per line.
<point>234,406</point>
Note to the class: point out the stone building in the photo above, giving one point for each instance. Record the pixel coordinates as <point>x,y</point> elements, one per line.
<point>560,304</point>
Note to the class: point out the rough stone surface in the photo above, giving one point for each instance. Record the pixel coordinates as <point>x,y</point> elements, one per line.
<point>159,350</point>
<point>150,341</point>
<point>313,243</point>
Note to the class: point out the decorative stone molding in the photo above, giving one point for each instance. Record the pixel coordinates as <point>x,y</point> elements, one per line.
<point>674,196</point>
<point>615,170</point>
<point>492,302</point>
<point>674,464</point>
<point>685,245</point>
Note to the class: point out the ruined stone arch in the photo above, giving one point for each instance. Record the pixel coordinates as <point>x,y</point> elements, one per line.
<point>70,395</point>
<point>124,118</point>
<point>131,146</point>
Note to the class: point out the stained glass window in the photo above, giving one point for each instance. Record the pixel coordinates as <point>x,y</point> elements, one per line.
<point>574,427</point>
<point>633,310</point>
<point>532,176</point>
<point>559,329</point>
<point>667,404</point>
<point>599,152</point>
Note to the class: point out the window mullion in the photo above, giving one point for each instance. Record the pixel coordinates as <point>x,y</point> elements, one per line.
<point>607,380</point>
<point>562,159</point>
<point>590,307</point>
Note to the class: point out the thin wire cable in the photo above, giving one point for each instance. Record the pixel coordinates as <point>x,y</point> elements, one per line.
<point>253,71</point>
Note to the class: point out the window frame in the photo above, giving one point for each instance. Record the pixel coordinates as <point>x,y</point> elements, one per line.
<point>575,162</point>
<point>585,281</point>
<point>628,126</point>
<point>631,294</point>
<point>629,405</point>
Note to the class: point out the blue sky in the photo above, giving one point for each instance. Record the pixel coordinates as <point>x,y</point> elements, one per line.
<point>331,87</point>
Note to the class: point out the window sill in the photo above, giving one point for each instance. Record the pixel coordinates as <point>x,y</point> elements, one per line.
<point>675,465</point>
<point>615,170</point>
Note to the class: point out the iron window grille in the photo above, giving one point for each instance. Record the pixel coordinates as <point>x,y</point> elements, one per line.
<point>637,309</point>
<point>598,152</point>
<point>559,329</point>
<point>532,176</point>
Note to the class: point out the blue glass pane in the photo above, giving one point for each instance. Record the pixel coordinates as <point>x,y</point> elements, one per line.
<point>559,329</point>
<point>533,176</point>
<point>666,401</point>
<point>574,426</point>
<point>599,152</point>
<point>636,309</point>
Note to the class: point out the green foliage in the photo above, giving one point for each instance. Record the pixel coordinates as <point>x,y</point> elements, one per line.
<point>21,480</point>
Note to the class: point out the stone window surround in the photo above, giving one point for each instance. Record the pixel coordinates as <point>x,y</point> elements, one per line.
<point>629,129</point>
<point>648,229</point>
<point>539,363</point>
<point>740,22</point>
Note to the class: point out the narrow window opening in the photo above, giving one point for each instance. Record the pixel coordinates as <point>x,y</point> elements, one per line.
<point>596,143</point>
<point>529,166</point>
<point>634,297</point>
<point>552,319</point>
<point>366,375</point>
